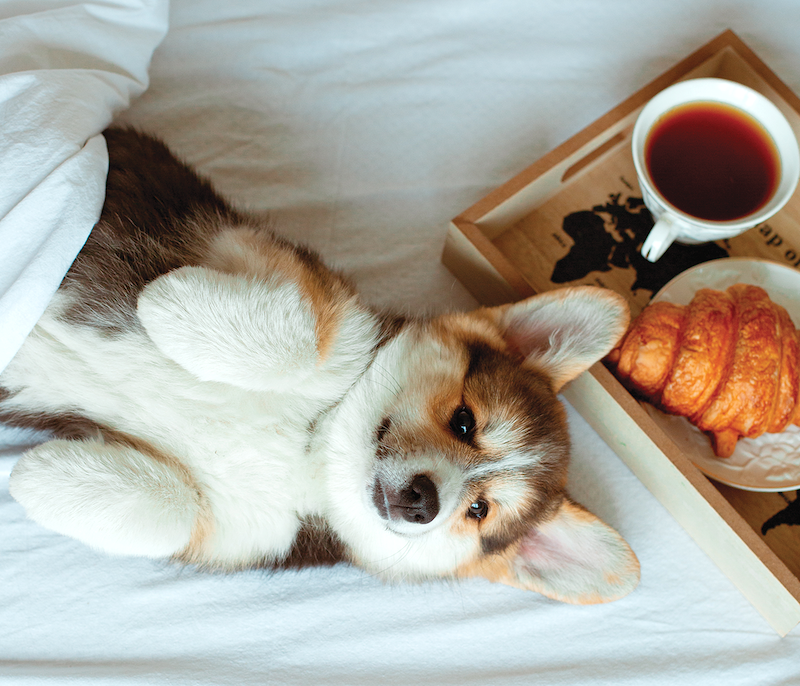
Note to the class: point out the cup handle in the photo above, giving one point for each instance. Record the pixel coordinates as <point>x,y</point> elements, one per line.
<point>659,239</point>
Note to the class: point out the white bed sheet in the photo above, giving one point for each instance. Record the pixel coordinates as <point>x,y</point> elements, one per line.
<point>363,127</point>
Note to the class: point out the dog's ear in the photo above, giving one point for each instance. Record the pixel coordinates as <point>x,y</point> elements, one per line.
<point>564,331</point>
<point>573,557</point>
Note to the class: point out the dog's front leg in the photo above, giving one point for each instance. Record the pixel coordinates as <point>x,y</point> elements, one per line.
<point>253,333</point>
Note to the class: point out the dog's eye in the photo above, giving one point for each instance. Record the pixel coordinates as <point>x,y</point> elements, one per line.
<point>383,428</point>
<point>462,424</point>
<point>478,510</point>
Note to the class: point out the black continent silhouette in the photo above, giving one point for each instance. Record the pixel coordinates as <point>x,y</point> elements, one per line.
<point>788,515</point>
<point>611,235</point>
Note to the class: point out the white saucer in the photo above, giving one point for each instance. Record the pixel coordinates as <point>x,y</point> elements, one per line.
<point>770,462</point>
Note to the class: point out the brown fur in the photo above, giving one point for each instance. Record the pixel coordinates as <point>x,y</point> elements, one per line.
<point>66,425</point>
<point>315,545</point>
<point>246,253</point>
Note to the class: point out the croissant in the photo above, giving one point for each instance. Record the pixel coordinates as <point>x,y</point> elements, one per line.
<point>729,361</point>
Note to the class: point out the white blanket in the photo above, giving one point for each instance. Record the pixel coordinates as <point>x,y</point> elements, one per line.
<point>65,70</point>
<point>364,127</point>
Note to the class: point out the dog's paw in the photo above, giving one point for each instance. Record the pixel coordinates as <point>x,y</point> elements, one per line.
<point>111,497</point>
<point>251,333</point>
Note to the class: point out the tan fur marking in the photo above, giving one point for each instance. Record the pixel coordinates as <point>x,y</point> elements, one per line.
<point>464,525</point>
<point>114,436</point>
<point>194,552</point>
<point>441,405</point>
<point>248,252</point>
<point>327,310</point>
<point>496,567</point>
<point>456,331</point>
<point>204,523</point>
<point>470,327</point>
<point>499,568</point>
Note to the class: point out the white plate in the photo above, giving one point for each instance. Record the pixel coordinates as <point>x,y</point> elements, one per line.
<point>770,462</point>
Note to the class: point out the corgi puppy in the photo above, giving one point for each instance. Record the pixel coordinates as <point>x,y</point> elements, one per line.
<point>219,397</point>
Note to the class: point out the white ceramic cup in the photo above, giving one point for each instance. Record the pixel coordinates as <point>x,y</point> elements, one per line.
<point>673,224</point>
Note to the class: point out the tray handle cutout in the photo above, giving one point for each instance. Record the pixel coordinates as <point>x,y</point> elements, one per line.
<point>586,160</point>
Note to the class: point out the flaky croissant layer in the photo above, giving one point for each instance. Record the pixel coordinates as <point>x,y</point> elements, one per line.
<point>729,361</point>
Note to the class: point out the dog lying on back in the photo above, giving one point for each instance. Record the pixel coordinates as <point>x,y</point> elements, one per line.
<point>218,396</point>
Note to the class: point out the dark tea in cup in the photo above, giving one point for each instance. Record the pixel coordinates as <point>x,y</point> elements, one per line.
<point>712,161</point>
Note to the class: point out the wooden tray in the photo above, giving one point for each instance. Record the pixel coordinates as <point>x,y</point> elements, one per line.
<point>531,235</point>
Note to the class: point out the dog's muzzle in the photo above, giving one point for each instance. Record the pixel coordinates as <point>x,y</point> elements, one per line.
<point>417,502</point>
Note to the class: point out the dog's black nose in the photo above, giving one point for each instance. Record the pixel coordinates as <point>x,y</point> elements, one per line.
<point>417,503</point>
